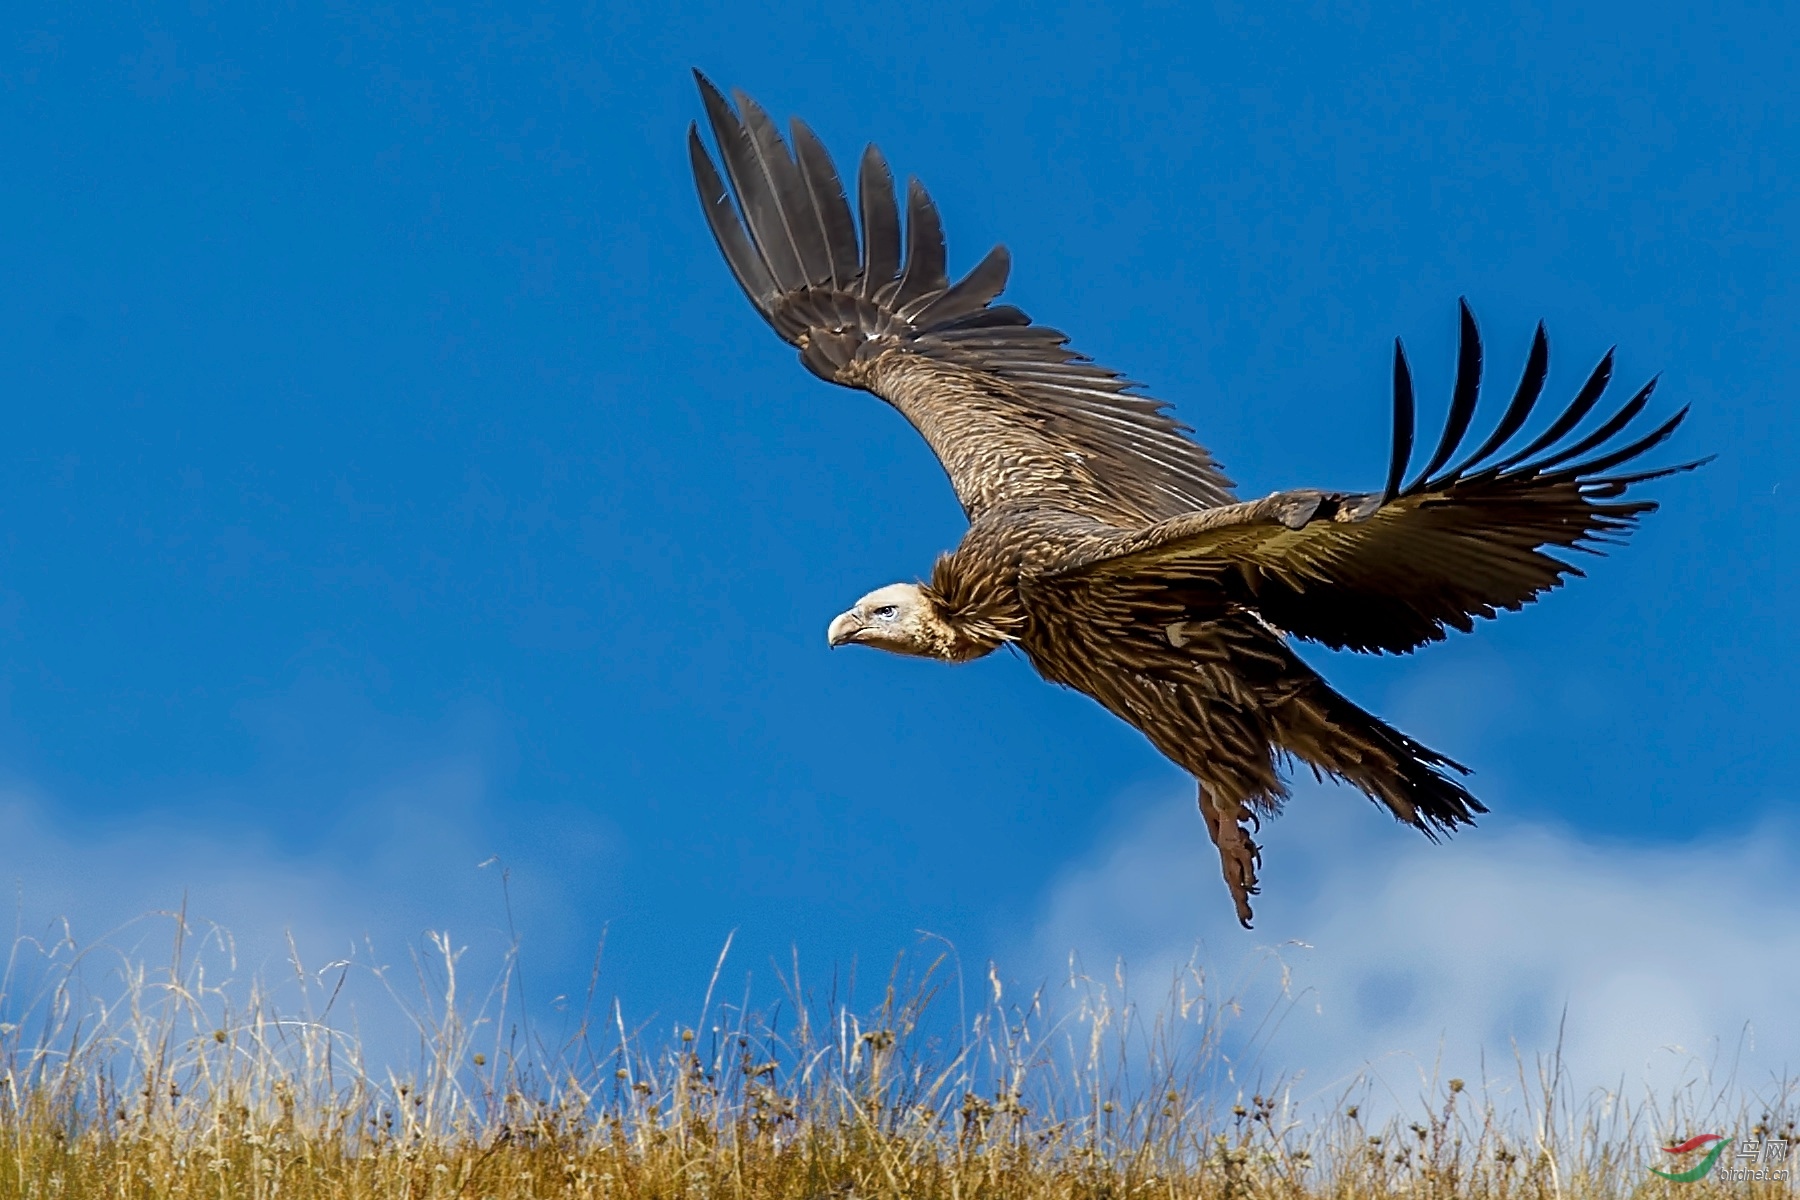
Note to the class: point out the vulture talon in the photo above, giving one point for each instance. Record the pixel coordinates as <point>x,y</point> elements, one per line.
<point>1239,856</point>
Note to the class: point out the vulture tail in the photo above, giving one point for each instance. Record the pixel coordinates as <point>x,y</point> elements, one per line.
<point>1414,782</point>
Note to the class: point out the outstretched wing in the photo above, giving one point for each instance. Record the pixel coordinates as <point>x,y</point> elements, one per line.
<point>1390,571</point>
<point>1009,409</point>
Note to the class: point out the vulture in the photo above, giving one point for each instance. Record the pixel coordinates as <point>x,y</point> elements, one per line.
<point>1108,547</point>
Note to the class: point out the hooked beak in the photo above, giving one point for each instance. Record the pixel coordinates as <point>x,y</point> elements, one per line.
<point>843,630</point>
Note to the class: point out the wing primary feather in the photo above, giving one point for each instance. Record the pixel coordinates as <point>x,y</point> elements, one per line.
<point>752,187</point>
<point>1636,477</point>
<point>994,318</point>
<point>792,204</point>
<point>880,222</point>
<point>1401,453</point>
<point>971,294</point>
<point>1626,453</point>
<point>836,225</point>
<point>1583,403</point>
<point>1602,435</point>
<point>1462,400</point>
<point>747,266</point>
<point>1531,387</point>
<point>923,274</point>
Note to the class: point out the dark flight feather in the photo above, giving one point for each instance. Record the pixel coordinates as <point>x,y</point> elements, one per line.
<point>1531,386</point>
<point>1605,432</point>
<point>1590,394</point>
<point>924,274</point>
<point>1462,402</point>
<point>755,192</point>
<point>793,202</point>
<point>837,228</point>
<point>722,217</point>
<point>881,223</point>
<point>973,293</point>
<point>1405,411</point>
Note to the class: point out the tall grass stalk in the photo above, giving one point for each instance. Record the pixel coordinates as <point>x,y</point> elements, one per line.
<point>123,1078</point>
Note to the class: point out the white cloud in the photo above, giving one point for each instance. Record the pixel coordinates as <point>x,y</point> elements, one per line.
<point>1408,959</point>
<point>95,879</point>
<point>416,859</point>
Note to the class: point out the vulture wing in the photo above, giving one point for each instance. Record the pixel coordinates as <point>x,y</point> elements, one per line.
<point>1010,411</point>
<point>1393,570</point>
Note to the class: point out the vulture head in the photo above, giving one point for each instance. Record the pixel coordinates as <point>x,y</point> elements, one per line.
<point>901,618</point>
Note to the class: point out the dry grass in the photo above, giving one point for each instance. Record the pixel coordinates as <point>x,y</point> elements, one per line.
<point>170,1082</point>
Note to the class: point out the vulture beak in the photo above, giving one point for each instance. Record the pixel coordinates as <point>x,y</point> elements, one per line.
<point>843,630</point>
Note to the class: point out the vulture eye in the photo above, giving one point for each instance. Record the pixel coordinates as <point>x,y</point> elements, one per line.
<point>887,612</point>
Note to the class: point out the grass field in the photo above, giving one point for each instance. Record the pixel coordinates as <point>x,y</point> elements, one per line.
<point>119,1077</point>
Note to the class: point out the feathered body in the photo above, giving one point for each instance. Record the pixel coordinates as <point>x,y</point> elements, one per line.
<point>1108,546</point>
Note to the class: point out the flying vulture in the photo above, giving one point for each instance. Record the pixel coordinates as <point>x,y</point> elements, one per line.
<point>1109,548</point>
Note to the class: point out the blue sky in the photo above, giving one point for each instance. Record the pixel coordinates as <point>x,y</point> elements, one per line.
<point>395,476</point>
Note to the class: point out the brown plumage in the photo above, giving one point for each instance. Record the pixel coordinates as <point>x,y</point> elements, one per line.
<point>1109,548</point>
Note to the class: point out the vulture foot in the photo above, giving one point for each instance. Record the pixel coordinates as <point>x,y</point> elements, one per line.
<point>1238,855</point>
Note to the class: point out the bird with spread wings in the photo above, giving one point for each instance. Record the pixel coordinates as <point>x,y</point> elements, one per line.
<point>1108,547</point>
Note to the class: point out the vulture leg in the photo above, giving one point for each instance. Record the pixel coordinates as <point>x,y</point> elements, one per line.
<point>1238,855</point>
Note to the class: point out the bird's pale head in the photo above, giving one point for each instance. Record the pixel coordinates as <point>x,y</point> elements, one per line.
<point>900,618</point>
